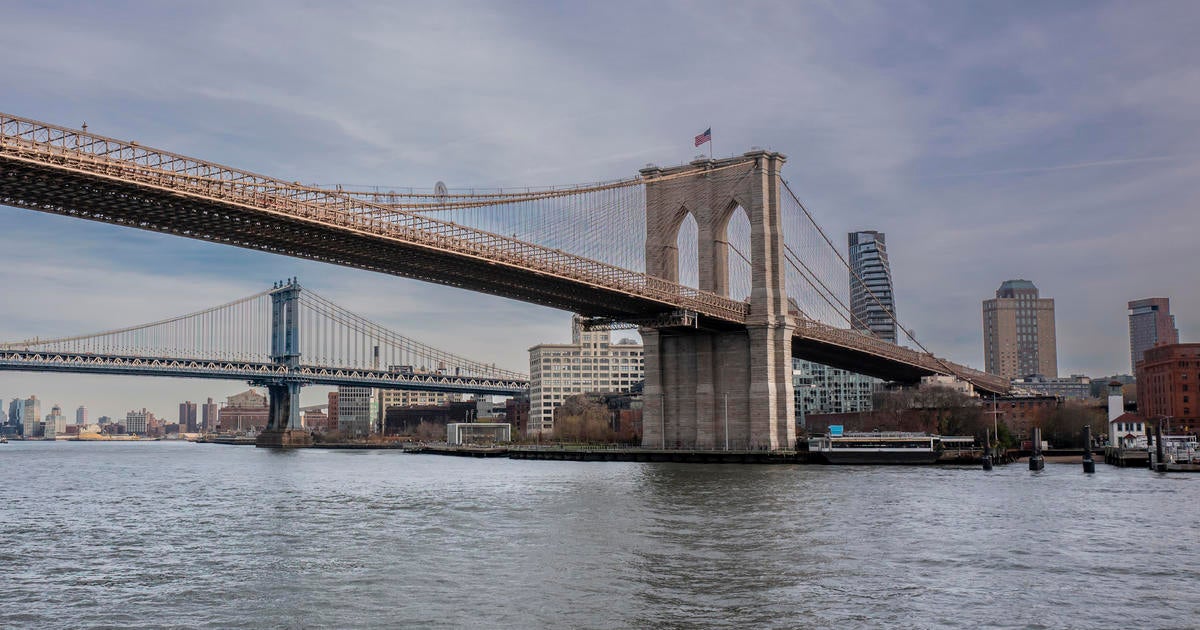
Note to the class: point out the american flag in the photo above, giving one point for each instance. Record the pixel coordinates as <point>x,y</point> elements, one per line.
<point>704,137</point>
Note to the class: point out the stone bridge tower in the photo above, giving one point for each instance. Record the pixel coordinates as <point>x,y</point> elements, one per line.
<point>704,383</point>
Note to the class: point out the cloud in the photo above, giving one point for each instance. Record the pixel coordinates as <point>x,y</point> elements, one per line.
<point>1053,142</point>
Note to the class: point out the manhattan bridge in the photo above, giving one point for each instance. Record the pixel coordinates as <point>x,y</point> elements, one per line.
<point>722,269</point>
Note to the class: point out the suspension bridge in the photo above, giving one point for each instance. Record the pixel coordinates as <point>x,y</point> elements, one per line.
<point>725,272</point>
<point>282,338</point>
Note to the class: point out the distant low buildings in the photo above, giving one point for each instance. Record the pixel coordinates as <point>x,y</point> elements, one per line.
<point>1076,386</point>
<point>318,421</point>
<point>949,382</point>
<point>243,412</point>
<point>139,422</point>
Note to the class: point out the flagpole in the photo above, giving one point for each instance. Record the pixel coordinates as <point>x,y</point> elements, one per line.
<point>710,143</point>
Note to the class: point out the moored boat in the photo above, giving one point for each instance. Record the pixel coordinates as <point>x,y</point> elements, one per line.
<point>881,447</point>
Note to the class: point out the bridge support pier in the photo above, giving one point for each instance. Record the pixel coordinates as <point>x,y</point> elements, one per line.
<point>708,388</point>
<point>284,427</point>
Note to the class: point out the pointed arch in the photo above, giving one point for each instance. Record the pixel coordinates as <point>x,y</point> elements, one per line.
<point>732,254</point>
<point>687,252</point>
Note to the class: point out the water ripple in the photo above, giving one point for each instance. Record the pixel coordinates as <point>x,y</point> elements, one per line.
<point>205,536</point>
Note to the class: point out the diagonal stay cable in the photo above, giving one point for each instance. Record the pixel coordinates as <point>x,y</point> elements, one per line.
<point>891,315</point>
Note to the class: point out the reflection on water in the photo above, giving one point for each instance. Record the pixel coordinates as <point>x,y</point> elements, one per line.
<point>218,536</point>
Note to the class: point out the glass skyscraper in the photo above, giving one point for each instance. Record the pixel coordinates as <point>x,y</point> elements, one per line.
<point>1150,323</point>
<point>872,305</point>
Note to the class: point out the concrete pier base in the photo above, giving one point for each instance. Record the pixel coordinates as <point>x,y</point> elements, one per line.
<point>287,438</point>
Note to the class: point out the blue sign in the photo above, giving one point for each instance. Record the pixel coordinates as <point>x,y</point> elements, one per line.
<point>835,430</point>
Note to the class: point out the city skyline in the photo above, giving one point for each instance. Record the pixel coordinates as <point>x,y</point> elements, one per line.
<point>992,156</point>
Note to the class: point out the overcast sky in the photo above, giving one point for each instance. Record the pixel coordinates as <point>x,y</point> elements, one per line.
<point>1055,142</point>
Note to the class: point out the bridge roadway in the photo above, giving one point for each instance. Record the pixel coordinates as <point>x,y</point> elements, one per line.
<point>253,371</point>
<point>63,171</point>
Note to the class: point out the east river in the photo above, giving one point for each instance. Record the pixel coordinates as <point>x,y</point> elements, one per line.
<point>187,535</point>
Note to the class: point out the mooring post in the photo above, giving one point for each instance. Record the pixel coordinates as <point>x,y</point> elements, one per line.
<point>987,449</point>
<point>1089,466</point>
<point>1149,446</point>
<point>1036,461</point>
<point>1159,464</point>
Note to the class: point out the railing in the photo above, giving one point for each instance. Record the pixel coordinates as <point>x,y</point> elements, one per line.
<point>254,370</point>
<point>64,148</point>
<point>863,341</point>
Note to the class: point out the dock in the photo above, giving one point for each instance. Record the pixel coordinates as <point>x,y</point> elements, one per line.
<point>1127,457</point>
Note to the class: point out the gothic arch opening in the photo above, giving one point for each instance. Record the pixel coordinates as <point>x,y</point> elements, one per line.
<point>733,269</point>
<point>687,248</point>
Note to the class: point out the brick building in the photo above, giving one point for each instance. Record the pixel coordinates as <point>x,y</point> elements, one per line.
<point>243,412</point>
<point>319,421</point>
<point>516,413</point>
<point>1168,377</point>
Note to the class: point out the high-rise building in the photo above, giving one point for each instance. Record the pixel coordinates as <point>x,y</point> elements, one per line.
<point>590,363</point>
<point>187,417</point>
<point>31,415</point>
<point>208,415</point>
<point>1150,323</point>
<point>81,415</point>
<point>872,304</point>
<point>357,410</point>
<point>16,413</point>
<point>1018,332</point>
<point>56,422</point>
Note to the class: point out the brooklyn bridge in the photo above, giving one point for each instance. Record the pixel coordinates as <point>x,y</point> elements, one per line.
<point>723,270</point>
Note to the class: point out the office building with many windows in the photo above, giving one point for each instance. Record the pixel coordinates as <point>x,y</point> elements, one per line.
<point>819,388</point>
<point>590,363</point>
<point>872,303</point>
<point>1018,332</point>
<point>357,411</point>
<point>1150,324</point>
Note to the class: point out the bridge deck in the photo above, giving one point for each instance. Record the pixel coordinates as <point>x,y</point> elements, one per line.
<point>32,361</point>
<point>67,172</point>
